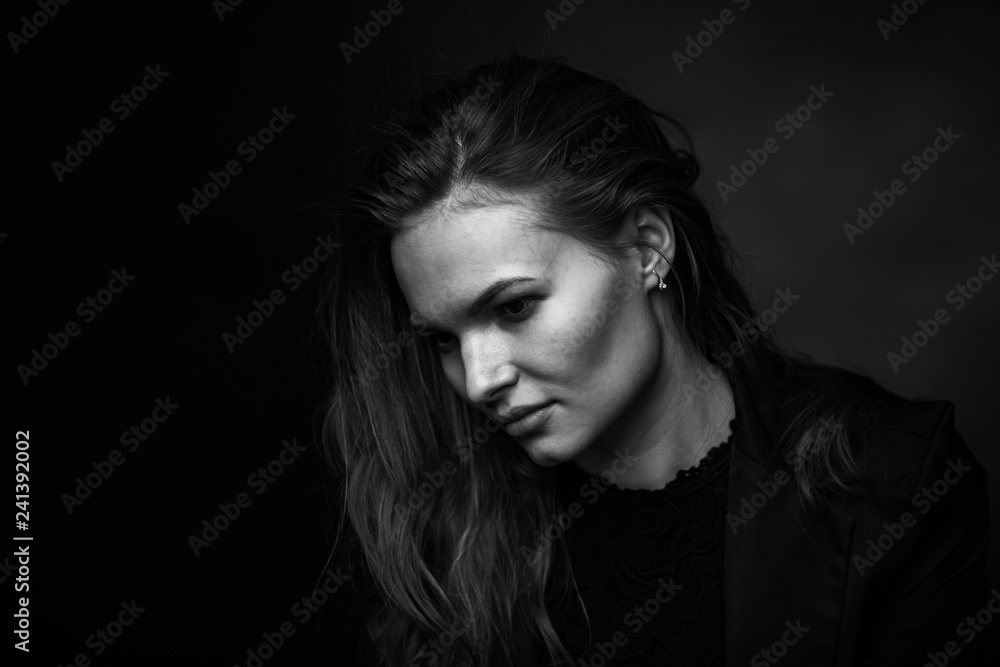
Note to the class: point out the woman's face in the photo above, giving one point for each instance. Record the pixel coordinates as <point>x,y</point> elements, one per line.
<point>566,332</point>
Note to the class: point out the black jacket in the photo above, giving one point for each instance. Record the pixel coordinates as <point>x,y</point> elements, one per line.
<point>885,577</point>
<point>849,584</point>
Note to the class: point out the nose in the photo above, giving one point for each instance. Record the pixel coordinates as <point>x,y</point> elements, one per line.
<point>488,369</point>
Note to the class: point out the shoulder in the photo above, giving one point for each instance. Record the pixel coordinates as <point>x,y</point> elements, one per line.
<point>909,539</point>
<point>919,517</point>
<point>903,442</point>
<point>895,444</point>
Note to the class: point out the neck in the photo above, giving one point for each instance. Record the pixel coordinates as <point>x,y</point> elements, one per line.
<point>682,412</point>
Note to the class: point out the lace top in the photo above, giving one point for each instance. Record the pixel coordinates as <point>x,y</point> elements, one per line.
<point>649,566</point>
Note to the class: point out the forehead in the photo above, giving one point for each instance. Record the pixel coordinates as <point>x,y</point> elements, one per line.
<point>448,255</point>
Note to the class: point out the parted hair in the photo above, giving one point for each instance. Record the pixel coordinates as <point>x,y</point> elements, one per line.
<point>451,580</point>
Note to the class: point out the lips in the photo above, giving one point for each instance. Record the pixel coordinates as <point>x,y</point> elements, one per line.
<point>529,422</point>
<point>518,412</point>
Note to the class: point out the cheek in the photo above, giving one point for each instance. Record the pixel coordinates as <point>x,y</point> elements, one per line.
<point>454,372</point>
<point>592,342</point>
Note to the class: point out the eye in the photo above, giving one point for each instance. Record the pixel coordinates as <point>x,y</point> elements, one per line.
<point>512,311</point>
<point>443,340</point>
<point>515,313</point>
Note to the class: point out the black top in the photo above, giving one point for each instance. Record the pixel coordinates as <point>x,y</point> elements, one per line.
<point>809,585</point>
<point>649,566</point>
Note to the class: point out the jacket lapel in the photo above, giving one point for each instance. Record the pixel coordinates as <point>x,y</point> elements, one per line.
<point>784,576</point>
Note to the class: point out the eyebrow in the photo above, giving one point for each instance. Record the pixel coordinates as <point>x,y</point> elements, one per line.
<point>485,296</point>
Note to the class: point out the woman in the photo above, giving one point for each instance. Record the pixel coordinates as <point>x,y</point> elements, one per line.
<point>566,438</point>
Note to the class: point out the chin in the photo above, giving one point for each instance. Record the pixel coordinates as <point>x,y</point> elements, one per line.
<point>546,450</point>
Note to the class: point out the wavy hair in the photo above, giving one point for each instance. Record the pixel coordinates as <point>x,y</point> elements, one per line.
<point>441,513</point>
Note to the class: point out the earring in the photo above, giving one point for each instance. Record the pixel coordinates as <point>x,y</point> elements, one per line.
<point>663,285</point>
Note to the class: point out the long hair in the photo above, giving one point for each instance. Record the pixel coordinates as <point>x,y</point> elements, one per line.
<point>440,507</point>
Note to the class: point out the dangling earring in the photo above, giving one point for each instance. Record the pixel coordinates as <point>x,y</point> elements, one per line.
<point>663,285</point>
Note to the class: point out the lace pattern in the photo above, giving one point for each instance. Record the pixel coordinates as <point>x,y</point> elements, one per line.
<point>649,565</point>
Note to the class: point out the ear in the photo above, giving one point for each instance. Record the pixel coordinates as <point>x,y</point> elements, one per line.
<point>656,228</point>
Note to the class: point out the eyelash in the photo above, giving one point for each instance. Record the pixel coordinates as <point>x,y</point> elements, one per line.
<point>529,300</point>
<point>516,317</point>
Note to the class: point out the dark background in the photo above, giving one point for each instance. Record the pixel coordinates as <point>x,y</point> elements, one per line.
<point>162,336</point>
